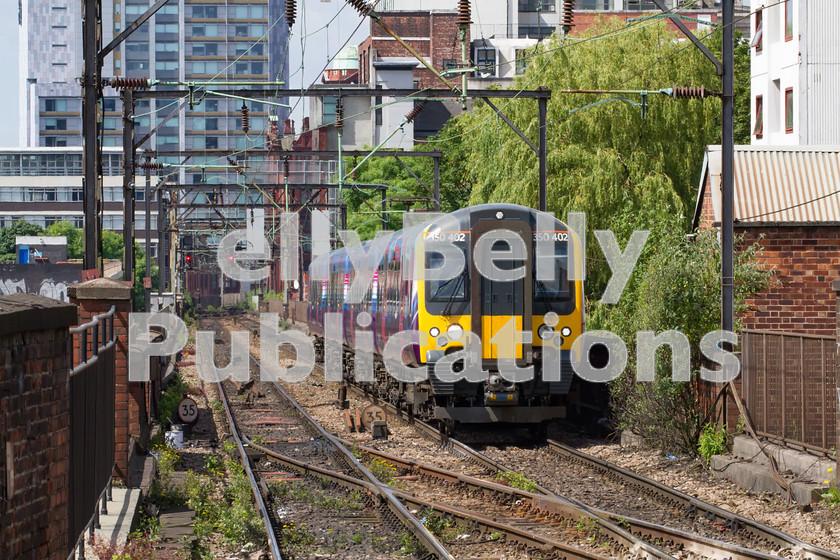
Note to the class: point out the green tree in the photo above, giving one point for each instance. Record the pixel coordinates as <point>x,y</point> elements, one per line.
<point>8,234</point>
<point>112,245</point>
<point>74,238</point>
<point>624,171</point>
<point>676,287</point>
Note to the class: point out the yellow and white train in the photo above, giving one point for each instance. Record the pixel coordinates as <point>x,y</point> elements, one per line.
<point>402,296</point>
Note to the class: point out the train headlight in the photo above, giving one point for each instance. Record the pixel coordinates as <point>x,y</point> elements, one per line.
<point>545,332</point>
<point>434,331</point>
<point>455,331</point>
<point>566,332</point>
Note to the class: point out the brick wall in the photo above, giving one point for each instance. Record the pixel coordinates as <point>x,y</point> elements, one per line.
<point>805,259</point>
<point>34,426</point>
<point>432,35</point>
<point>131,399</point>
<point>800,298</point>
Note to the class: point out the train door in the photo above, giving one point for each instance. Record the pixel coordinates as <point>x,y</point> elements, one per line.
<point>501,307</point>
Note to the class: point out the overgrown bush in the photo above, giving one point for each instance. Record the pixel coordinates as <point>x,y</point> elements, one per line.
<point>676,286</point>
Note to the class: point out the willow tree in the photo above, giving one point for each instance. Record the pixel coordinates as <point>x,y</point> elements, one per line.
<point>626,172</point>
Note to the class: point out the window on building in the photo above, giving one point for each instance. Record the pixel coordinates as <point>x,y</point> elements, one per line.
<point>205,12</point>
<point>535,31</point>
<point>485,61</point>
<point>241,31</point>
<point>211,105</point>
<point>257,68</point>
<point>55,141</point>
<point>137,47</point>
<point>166,28</point>
<point>522,58</point>
<point>639,5</point>
<point>758,32</point>
<point>164,65</point>
<point>55,124</point>
<point>536,5</point>
<point>788,21</point>
<point>258,30</point>
<point>205,49</point>
<point>240,12</point>
<point>211,143</point>
<point>449,63</point>
<point>257,12</point>
<point>205,31</point>
<point>55,105</point>
<point>109,123</point>
<point>758,130</point>
<point>166,46</point>
<point>328,109</point>
<point>788,110</point>
<point>166,140</point>
<point>109,104</point>
<point>136,65</point>
<point>135,9</point>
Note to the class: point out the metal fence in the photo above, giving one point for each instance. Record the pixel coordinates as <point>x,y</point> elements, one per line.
<point>789,386</point>
<point>91,423</point>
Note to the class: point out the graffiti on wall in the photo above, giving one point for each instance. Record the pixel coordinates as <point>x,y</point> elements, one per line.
<point>47,280</point>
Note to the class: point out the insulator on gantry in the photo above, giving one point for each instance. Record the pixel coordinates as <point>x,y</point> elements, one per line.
<point>291,12</point>
<point>568,14</point>
<point>414,112</point>
<point>691,92</point>
<point>152,166</point>
<point>463,13</point>
<point>121,82</point>
<point>245,120</point>
<point>361,6</point>
<point>339,114</point>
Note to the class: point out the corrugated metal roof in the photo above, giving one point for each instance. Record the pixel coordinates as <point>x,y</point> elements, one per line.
<point>791,184</point>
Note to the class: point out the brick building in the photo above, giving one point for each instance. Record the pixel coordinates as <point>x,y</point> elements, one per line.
<point>785,200</point>
<point>433,35</point>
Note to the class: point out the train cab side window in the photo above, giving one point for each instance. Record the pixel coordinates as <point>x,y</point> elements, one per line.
<point>453,289</point>
<point>556,288</point>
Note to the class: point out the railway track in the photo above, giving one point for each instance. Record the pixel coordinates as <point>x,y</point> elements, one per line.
<point>516,523</point>
<point>279,419</point>
<point>744,536</point>
<point>690,504</point>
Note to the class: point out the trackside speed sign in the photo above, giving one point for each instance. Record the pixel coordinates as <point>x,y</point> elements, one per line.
<point>187,410</point>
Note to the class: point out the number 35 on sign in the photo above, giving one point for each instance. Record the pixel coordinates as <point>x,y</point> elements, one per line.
<point>187,411</point>
<point>371,414</point>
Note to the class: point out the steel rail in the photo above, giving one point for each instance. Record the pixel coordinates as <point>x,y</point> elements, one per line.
<point>697,543</point>
<point>516,534</point>
<point>557,505</point>
<point>641,528</point>
<point>694,505</point>
<point>426,538</point>
<point>255,487</point>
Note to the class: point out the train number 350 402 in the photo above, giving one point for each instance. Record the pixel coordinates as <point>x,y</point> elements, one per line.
<point>551,236</point>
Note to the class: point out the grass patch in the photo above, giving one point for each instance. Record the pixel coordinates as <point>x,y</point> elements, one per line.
<point>516,480</point>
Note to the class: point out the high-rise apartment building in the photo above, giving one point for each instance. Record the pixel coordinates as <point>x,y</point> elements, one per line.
<point>186,40</point>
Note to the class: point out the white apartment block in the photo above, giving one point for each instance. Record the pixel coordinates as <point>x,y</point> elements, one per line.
<point>795,72</point>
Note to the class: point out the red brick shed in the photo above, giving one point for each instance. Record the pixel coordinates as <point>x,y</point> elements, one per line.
<point>787,198</point>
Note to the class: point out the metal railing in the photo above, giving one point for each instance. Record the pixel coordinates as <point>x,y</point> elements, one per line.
<point>788,381</point>
<point>92,459</point>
